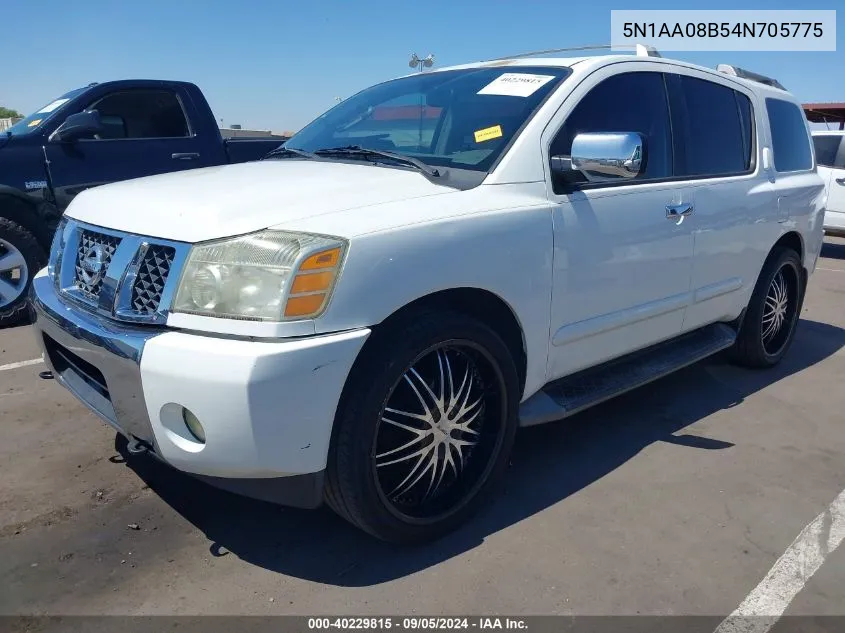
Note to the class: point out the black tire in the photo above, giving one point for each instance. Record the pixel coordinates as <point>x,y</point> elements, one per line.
<point>756,346</point>
<point>34,256</point>
<point>356,486</point>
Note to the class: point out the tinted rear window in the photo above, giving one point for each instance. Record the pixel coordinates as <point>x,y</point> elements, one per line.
<point>715,131</point>
<point>830,150</point>
<point>790,140</point>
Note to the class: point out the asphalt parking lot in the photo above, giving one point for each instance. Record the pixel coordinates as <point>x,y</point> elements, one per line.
<point>678,498</point>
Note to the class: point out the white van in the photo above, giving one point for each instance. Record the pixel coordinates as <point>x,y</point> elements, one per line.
<point>367,316</point>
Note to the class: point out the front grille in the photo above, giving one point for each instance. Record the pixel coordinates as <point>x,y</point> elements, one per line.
<point>152,276</point>
<point>93,256</point>
<point>124,276</point>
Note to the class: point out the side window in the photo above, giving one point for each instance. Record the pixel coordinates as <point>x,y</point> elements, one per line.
<point>628,102</point>
<point>137,114</point>
<point>714,128</point>
<point>790,139</point>
<point>830,150</point>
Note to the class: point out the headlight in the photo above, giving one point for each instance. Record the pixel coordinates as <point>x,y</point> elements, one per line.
<point>266,276</point>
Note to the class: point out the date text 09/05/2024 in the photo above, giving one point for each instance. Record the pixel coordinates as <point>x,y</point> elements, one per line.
<point>415,623</point>
<point>724,29</point>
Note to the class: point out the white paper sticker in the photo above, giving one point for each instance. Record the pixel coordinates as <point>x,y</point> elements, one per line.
<point>56,104</point>
<point>515,85</point>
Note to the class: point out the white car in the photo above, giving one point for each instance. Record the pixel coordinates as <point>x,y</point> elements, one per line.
<point>830,155</point>
<point>366,317</point>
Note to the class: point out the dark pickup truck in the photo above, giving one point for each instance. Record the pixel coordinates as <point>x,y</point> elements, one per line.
<point>91,136</point>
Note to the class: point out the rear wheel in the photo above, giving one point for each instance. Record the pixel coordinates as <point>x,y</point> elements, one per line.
<point>424,428</point>
<point>20,258</point>
<point>769,324</point>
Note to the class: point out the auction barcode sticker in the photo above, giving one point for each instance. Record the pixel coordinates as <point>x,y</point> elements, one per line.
<point>516,84</point>
<point>716,30</point>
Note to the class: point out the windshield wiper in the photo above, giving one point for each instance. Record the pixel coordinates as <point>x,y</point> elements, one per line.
<point>357,150</point>
<point>288,151</point>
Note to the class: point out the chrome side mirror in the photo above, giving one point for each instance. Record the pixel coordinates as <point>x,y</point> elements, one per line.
<point>604,156</point>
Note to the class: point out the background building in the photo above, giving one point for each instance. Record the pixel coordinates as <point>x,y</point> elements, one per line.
<point>236,131</point>
<point>6,123</point>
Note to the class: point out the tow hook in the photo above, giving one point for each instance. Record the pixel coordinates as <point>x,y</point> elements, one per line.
<point>136,447</point>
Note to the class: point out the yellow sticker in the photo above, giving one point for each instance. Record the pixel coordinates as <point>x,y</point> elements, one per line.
<point>488,133</point>
<point>34,123</point>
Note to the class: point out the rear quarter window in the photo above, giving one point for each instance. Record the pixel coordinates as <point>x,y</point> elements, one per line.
<point>790,139</point>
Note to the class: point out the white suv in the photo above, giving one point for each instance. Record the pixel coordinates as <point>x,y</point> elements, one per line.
<point>830,155</point>
<point>367,316</point>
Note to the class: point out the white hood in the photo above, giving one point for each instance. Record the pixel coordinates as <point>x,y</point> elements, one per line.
<point>216,202</point>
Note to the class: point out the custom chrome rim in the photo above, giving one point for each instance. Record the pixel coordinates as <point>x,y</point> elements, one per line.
<point>779,310</point>
<point>13,273</point>
<point>439,431</point>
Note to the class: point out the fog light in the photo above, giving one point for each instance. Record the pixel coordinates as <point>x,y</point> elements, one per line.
<point>194,426</point>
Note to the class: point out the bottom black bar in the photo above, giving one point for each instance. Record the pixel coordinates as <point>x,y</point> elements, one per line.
<point>524,624</point>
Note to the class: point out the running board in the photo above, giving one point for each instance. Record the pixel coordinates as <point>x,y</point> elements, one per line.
<point>589,387</point>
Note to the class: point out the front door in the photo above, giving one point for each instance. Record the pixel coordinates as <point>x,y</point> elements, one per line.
<point>622,258</point>
<point>146,132</point>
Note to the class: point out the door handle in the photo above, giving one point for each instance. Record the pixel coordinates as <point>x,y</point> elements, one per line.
<point>184,155</point>
<point>678,211</point>
<point>841,181</point>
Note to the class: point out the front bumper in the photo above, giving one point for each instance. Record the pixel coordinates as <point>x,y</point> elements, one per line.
<point>267,407</point>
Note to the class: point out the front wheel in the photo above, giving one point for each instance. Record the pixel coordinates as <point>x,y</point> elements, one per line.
<point>424,428</point>
<point>772,314</point>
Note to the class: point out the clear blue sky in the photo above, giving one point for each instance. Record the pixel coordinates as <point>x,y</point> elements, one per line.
<point>276,65</point>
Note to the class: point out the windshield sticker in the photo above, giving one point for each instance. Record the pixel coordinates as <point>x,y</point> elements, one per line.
<point>488,134</point>
<point>34,122</point>
<point>35,184</point>
<point>516,85</point>
<point>56,104</point>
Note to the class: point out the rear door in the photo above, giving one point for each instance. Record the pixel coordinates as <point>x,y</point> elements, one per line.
<point>716,153</point>
<point>147,131</point>
<point>830,156</point>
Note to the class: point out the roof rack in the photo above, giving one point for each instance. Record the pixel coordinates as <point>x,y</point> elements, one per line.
<point>642,50</point>
<point>736,71</point>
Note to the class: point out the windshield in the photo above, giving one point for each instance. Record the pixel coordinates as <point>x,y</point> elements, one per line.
<point>36,119</point>
<point>457,118</point>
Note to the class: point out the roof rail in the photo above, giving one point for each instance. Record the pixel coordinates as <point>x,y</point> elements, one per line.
<point>642,50</point>
<point>736,71</point>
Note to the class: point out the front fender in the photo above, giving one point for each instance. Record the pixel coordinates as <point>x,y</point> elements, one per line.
<point>507,253</point>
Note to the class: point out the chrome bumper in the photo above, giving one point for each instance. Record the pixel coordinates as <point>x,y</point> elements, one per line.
<point>95,359</point>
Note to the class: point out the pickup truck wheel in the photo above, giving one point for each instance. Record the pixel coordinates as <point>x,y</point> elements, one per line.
<point>769,324</point>
<point>424,429</point>
<point>20,258</point>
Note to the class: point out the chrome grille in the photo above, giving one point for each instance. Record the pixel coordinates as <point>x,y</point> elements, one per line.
<point>119,275</point>
<point>151,279</point>
<point>94,253</point>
